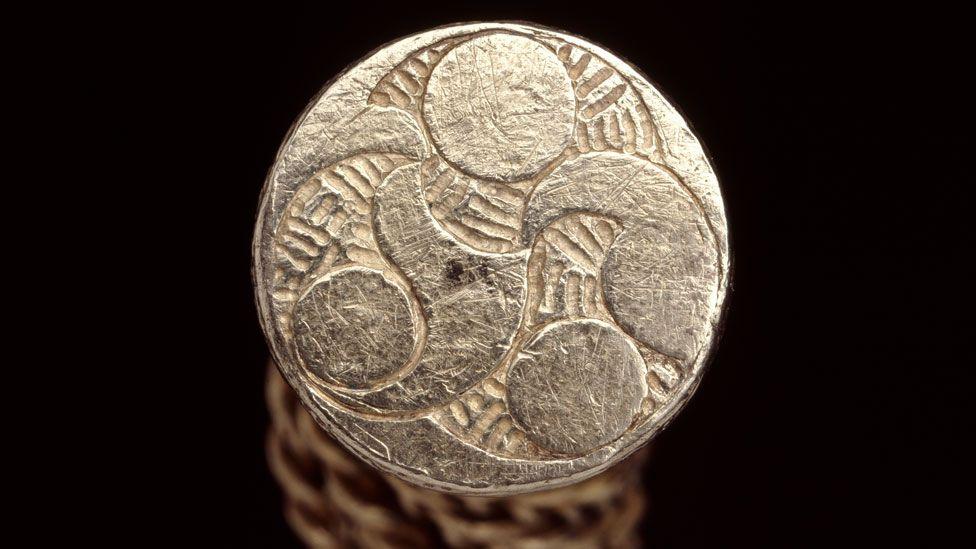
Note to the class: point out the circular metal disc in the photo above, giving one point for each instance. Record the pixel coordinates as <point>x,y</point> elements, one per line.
<point>491,258</point>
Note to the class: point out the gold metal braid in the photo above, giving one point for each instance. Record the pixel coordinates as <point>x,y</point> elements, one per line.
<point>331,499</point>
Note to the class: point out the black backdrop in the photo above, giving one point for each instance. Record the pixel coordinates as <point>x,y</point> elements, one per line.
<point>836,377</point>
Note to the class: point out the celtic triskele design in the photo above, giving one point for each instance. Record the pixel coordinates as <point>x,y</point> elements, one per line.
<point>532,277</point>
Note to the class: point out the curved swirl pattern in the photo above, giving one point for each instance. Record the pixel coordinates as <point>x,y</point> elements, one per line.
<point>538,241</point>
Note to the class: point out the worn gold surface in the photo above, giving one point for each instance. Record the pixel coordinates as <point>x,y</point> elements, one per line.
<point>491,258</point>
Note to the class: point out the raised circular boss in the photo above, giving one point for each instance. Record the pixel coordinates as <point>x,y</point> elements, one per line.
<point>491,258</point>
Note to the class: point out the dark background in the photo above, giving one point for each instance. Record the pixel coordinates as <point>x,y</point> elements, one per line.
<point>836,408</point>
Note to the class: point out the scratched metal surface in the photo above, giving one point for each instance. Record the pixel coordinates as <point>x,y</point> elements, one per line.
<point>491,258</point>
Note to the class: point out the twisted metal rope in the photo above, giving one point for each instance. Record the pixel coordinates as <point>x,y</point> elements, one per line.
<point>332,499</point>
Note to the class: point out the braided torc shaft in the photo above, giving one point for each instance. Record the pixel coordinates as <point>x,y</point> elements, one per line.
<point>332,499</point>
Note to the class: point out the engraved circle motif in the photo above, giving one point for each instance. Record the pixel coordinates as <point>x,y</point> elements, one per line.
<point>491,258</point>
<point>353,305</point>
<point>576,386</point>
<point>500,107</point>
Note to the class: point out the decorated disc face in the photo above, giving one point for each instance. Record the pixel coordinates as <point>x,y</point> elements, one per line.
<point>491,258</point>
